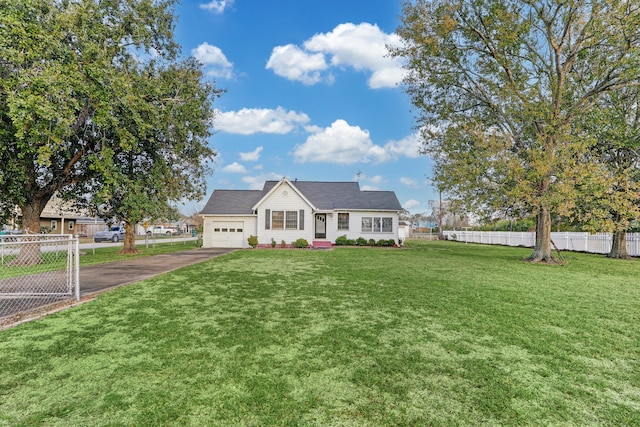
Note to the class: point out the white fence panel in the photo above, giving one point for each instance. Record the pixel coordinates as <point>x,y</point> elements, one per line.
<point>598,243</point>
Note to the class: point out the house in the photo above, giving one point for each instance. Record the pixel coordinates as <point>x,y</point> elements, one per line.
<point>62,217</point>
<point>286,211</point>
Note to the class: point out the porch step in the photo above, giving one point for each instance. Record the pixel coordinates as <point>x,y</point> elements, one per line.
<point>322,244</point>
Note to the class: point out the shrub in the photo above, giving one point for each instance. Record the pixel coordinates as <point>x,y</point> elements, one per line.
<point>300,243</point>
<point>283,244</point>
<point>273,243</point>
<point>361,241</point>
<point>372,242</point>
<point>253,241</point>
<point>342,241</point>
<point>385,242</point>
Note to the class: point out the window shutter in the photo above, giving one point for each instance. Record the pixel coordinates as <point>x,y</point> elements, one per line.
<point>267,219</point>
<point>301,221</point>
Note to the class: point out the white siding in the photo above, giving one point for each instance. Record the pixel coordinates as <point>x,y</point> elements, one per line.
<point>284,198</point>
<point>248,229</point>
<point>355,226</point>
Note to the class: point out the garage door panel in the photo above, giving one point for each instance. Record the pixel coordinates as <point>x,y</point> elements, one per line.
<point>228,234</point>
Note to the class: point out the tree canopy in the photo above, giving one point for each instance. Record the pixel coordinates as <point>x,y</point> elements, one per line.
<point>94,102</point>
<point>499,85</point>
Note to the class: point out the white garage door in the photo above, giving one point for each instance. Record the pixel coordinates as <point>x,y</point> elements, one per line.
<point>228,234</point>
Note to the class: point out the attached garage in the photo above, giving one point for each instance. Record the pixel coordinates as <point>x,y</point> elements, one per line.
<point>227,234</point>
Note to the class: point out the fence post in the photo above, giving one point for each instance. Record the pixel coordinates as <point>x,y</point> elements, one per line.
<point>76,267</point>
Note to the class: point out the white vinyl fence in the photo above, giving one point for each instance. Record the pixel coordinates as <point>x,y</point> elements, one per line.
<point>35,271</point>
<point>598,243</point>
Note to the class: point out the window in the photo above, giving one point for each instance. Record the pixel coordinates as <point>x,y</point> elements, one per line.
<point>267,219</point>
<point>343,221</point>
<point>70,225</point>
<point>277,220</point>
<point>387,225</point>
<point>54,224</point>
<point>366,224</point>
<point>377,225</point>
<point>301,219</point>
<point>292,220</point>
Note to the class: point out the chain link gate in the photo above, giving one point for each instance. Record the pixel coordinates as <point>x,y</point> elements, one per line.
<point>37,271</point>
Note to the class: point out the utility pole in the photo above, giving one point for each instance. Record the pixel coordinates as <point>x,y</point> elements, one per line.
<point>440,233</point>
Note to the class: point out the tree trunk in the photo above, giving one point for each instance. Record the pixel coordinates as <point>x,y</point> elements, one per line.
<point>129,246</point>
<point>30,253</point>
<point>542,251</point>
<point>619,246</point>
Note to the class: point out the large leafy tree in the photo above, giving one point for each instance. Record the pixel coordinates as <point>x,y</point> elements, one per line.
<point>498,86</point>
<point>74,102</point>
<point>169,159</point>
<point>611,200</point>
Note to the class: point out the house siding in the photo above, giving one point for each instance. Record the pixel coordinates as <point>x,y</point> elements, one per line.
<point>355,226</point>
<point>284,198</point>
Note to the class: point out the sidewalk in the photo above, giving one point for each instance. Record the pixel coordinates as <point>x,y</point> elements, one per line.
<point>100,277</point>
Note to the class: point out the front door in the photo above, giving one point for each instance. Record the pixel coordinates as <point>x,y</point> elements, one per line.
<point>321,226</point>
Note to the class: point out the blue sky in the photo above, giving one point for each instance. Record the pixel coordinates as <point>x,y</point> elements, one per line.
<point>310,94</point>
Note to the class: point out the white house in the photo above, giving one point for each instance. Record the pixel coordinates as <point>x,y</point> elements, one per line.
<point>283,210</point>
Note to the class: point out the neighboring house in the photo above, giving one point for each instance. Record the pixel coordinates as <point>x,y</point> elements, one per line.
<point>60,217</point>
<point>283,210</point>
<point>404,230</point>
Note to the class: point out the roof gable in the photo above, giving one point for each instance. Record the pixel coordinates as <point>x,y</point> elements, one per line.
<point>269,189</point>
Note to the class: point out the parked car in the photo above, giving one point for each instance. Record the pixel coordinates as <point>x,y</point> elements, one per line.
<point>161,229</point>
<point>114,234</point>
<point>6,230</point>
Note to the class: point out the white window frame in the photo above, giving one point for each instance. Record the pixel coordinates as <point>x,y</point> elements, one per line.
<point>377,224</point>
<point>341,223</point>
<point>291,218</point>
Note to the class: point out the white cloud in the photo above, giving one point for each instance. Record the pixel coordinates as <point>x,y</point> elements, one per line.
<point>217,6</point>
<point>409,182</point>
<point>252,156</point>
<point>295,64</point>
<point>249,121</point>
<point>369,188</point>
<point>340,143</point>
<point>216,63</point>
<point>257,182</point>
<point>410,204</point>
<point>234,167</point>
<point>362,47</point>
<point>409,147</point>
<point>376,179</point>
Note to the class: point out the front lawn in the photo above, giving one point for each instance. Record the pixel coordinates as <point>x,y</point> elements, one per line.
<point>440,333</point>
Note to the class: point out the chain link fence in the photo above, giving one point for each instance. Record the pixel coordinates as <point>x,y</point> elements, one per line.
<point>37,272</point>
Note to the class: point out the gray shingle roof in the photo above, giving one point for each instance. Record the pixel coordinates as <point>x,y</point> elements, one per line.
<point>232,202</point>
<point>323,195</point>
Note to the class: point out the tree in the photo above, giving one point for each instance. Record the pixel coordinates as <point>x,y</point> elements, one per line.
<point>168,158</point>
<point>612,200</point>
<point>499,84</point>
<point>68,71</point>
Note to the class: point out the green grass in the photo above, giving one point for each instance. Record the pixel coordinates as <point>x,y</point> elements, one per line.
<point>58,260</point>
<point>440,333</point>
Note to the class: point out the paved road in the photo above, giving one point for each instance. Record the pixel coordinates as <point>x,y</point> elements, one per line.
<point>97,278</point>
